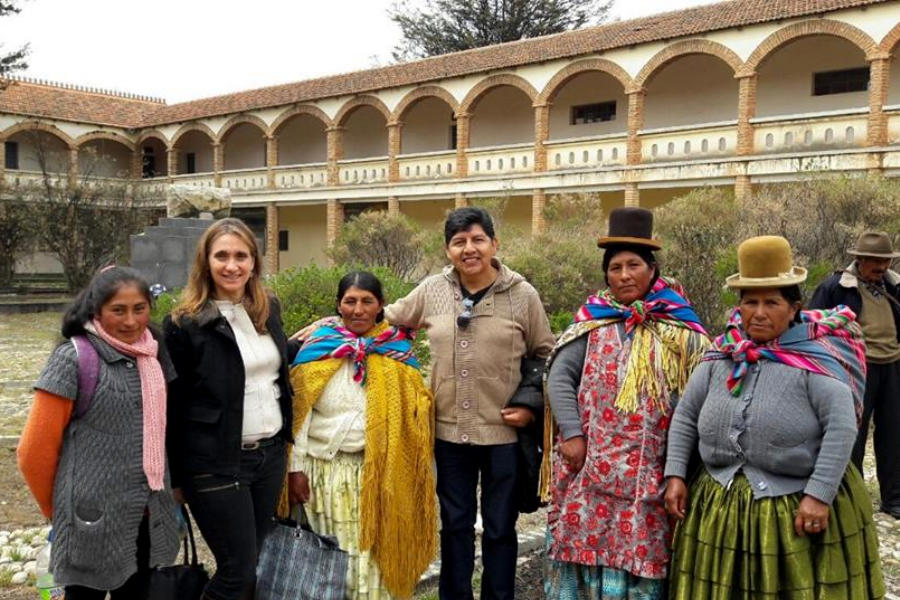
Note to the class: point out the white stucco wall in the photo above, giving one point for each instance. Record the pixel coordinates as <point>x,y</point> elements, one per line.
<point>245,148</point>
<point>365,134</point>
<point>693,89</point>
<point>301,140</point>
<point>104,158</point>
<point>306,237</point>
<point>426,126</point>
<point>30,143</point>
<point>588,88</point>
<point>504,115</point>
<point>786,78</point>
<point>198,143</point>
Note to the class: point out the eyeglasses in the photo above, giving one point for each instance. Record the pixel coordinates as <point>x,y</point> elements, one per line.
<point>465,317</point>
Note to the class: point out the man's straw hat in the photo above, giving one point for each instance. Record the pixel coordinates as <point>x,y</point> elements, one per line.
<point>873,243</point>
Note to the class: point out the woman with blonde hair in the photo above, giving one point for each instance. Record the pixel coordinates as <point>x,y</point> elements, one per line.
<point>230,412</point>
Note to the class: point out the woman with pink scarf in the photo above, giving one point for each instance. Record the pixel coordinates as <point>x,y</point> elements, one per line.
<point>93,448</point>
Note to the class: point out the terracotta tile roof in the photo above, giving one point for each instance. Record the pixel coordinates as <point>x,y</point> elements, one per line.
<point>73,103</point>
<point>692,21</point>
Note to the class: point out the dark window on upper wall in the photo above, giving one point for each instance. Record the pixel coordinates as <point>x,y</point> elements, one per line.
<point>841,82</point>
<point>453,137</point>
<point>12,154</point>
<point>593,113</point>
<point>191,162</point>
<point>283,240</point>
<point>148,163</point>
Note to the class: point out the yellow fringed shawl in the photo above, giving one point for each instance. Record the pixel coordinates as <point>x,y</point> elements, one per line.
<point>657,348</point>
<point>398,520</point>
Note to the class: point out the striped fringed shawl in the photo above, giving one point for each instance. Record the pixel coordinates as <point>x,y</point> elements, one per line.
<point>667,342</point>
<point>397,508</point>
<point>827,342</point>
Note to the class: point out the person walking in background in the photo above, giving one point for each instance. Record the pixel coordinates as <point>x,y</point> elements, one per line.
<point>364,426</point>
<point>614,378</point>
<point>93,449</point>
<point>230,416</point>
<point>482,320</point>
<point>776,511</point>
<point>871,290</point>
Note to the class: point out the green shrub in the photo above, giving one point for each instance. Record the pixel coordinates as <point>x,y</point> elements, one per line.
<point>163,305</point>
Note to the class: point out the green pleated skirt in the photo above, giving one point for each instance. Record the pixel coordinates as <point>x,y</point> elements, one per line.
<point>730,546</point>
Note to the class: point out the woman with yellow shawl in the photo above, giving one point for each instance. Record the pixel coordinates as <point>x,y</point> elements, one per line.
<point>613,380</point>
<point>364,434</point>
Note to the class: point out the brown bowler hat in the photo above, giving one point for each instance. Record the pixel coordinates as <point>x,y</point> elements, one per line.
<point>630,225</point>
<point>873,243</point>
<point>764,262</point>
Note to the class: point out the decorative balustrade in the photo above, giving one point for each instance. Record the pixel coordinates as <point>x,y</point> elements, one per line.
<point>245,179</point>
<point>501,160</point>
<point>427,165</point>
<point>363,171</point>
<point>697,142</point>
<point>195,179</point>
<point>301,176</point>
<point>601,151</point>
<point>811,132</point>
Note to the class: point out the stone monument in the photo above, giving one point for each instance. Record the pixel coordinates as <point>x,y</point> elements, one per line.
<point>164,253</point>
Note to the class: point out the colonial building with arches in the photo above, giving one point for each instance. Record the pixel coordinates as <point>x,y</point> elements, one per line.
<point>735,94</point>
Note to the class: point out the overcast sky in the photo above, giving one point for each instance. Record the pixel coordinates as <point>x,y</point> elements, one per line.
<point>186,49</point>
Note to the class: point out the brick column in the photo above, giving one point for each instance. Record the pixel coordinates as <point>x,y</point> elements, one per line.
<point>172,162</point>
<point>271,159</point>
<point>538,202</point>
<point>271,258</point>
<point>218,162</point>
<point>541,135</point>
<point>746,111</point>
<point>2,159</point>
<point>635,124</point>
<point>460,200</point>
<point>335,152</point>
<point>879,79</point>
<point>743,189</point>
<point>395,146</point>
<point>73,165</point>
<point>462,144</point>
<point>137,162</point>
<point>393,205</point>
<point>632,194</point>
<point>333,221</point>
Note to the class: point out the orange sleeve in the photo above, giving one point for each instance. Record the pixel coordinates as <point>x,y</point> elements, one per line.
<point>38,451</point>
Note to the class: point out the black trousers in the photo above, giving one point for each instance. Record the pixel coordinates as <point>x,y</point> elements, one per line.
<point>882,404</point>
<point>458,468</point>
<point>135,587</point>
<point>234,515</point>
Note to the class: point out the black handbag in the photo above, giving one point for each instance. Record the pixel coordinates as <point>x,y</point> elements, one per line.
<point>179,582</point>
<point>530,439</point>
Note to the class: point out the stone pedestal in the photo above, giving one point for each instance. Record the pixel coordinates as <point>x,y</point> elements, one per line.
<point>164,253</point>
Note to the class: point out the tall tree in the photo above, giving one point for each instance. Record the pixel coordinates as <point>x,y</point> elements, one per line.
<point>13,61</point>
<point>441,26</point>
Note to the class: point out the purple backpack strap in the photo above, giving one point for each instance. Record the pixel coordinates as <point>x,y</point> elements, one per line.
<point>88,373</point>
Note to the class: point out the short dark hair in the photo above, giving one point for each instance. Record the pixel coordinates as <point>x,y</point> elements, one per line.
<point>364,281</point>
<point>462,219</point>
<point>102,286</point>
<point>791,293</point>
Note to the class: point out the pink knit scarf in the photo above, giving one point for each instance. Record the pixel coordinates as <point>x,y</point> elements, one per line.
<point>153,395</point>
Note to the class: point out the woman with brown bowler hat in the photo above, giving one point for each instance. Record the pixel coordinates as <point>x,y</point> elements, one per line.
<point>776,510</point>
<point>614,376</point>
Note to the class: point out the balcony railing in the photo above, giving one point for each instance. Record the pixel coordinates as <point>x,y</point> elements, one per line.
<point>245,179</point>
<point>197,179</point>
<point>501,160</point>
<point>363,170</point>
<point>709,140</point>
<point>831,130</point>
<point>580,153</point>
<point>427,165</point>
<point>302,176</point>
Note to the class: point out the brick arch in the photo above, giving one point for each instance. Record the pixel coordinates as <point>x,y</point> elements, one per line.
<point>351,105</point>
<point>686,48</point>
<point>236,120</point>
<point>105,135</point>
<point>891,39</point>
<point>39,126</point>
<point>427,91</point>
<point>571,71</point>
<point>808,28</point>
<point>303,109</point>
<point>152,133</point>
<point>485,85</point>
<point>187,127</point>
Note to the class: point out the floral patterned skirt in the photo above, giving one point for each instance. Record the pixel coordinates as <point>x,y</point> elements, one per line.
<point>333,509</point>
<point>571,581</point>
<point>731,545</point>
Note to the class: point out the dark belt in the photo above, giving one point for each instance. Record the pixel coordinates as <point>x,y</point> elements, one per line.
<point>259,444</point>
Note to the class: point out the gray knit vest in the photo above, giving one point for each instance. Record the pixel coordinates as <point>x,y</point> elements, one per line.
<point>101,493</point>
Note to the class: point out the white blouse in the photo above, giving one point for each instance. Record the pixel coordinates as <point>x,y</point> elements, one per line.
<point>262,361</point>
<point>336,423</point>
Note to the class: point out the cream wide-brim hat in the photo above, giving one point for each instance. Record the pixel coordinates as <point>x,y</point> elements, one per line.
<point>765,262</point>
